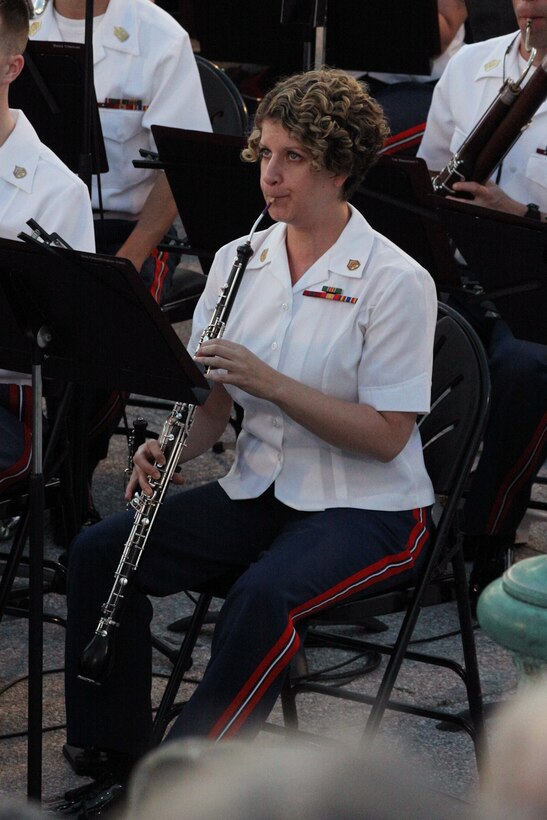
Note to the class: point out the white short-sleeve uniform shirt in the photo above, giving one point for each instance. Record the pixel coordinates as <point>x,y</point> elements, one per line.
<point>470,82</point>
<point>377,350</point>
<point>35,184</point>
<point>141,55</point>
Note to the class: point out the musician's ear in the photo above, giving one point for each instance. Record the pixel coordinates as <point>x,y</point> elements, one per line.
<point>12,68</point>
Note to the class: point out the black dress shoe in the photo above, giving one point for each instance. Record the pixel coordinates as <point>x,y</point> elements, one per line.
<point>89,761</point>
<point>101,798</point>
<point>493,557</point>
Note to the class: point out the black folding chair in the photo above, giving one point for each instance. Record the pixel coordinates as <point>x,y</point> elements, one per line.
<point>451,434</point>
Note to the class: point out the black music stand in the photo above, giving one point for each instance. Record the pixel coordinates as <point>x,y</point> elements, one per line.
<point>507,255</point>
<point>383,35</point>
<point>50,90</point>
<point>217,194</point>
<point>395,199</point>
<point>251,33</point>
<point>79,318</point>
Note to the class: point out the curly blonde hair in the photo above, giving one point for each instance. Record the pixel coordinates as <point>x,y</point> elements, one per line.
<point>332,115</point>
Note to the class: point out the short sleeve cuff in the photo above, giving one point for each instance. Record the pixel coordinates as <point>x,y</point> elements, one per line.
<point>412,396</point>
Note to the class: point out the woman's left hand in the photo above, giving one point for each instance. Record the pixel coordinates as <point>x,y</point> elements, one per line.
<point>233,363</point>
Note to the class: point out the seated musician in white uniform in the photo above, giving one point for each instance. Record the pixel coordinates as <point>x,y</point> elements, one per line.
<point>515,444</point>
<point>34,184</point>
<point>145,73</point>
<point>328,349</point>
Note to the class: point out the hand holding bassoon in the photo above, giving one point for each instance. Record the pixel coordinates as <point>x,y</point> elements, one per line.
<point>497,130</point>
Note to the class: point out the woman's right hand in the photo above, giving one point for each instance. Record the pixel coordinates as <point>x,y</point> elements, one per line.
<point>144,459</point>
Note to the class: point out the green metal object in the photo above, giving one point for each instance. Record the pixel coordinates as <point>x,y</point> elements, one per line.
<point>513,612</point>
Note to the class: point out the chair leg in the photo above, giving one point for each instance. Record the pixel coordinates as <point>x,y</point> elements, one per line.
<point>288,705</point>
<point>297,668</point>
<point>472,676</point>
<point>392,669</point>
<point>182,663</point>
<point>13,561</point>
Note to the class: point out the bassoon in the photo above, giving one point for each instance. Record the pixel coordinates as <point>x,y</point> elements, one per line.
<point>498,129</point>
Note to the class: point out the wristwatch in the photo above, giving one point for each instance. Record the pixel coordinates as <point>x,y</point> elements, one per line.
<point>533,211</point>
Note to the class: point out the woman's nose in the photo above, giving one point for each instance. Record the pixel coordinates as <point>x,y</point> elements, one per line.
<point>271,172</point>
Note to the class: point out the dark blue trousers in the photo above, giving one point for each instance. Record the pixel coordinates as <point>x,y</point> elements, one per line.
<point>515,442</point>
<point>291,565</point>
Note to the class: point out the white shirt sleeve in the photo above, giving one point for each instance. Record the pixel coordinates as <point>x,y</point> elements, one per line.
<point>68,213</point>
<point>440,126</point>
<point>396,365</point>
<point>177,96</point>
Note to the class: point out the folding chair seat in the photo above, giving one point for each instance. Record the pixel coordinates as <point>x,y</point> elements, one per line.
<point>451,434</point>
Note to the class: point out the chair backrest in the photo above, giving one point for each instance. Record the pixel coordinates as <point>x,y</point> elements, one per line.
<point>227,110</point>
<point>452,430</point>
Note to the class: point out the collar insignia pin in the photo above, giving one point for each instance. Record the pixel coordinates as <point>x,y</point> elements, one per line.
<point>19,172</point>
<point>353,264</point>
<point>35,27</point>
<point>264,255</point>
<point>121,34</point>
<point>490,65</point>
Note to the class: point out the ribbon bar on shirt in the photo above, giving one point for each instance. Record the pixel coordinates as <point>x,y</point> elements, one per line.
<point>334,297</point>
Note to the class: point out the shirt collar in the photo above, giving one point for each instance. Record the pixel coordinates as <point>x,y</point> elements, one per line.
<point>351,252</point>
<point>504,50</point>
<point>20,153</point>
<point>348,257</point>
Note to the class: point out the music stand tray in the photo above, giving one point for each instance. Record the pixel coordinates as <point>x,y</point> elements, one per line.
<point>106,330</point>
<point>507,255</point>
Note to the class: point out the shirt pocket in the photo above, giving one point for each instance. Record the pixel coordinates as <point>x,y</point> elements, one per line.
<point>120,125</point>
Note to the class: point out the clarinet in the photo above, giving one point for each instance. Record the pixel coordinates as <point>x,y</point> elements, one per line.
<point>497,130</point>
<point>97,657</point>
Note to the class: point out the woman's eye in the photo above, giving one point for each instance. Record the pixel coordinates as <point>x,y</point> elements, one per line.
<point>294,156</point>
<point>264,153</point>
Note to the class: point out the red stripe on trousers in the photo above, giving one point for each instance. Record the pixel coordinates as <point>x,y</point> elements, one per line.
<point>160,274</point>
<point>368,576</point>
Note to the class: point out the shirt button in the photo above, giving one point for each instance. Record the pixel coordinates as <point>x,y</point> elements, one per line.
<point>285,306</point>
<point>274,345</point>
<point>276,422</point>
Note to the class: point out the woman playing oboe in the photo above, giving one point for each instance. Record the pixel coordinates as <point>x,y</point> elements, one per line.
<point>328,350</point>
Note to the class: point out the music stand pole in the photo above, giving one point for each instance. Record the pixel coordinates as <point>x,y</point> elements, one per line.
<point>85,169</point>
<point>36,558</point>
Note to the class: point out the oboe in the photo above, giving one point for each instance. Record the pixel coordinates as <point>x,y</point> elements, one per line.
<point>97,657</point>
